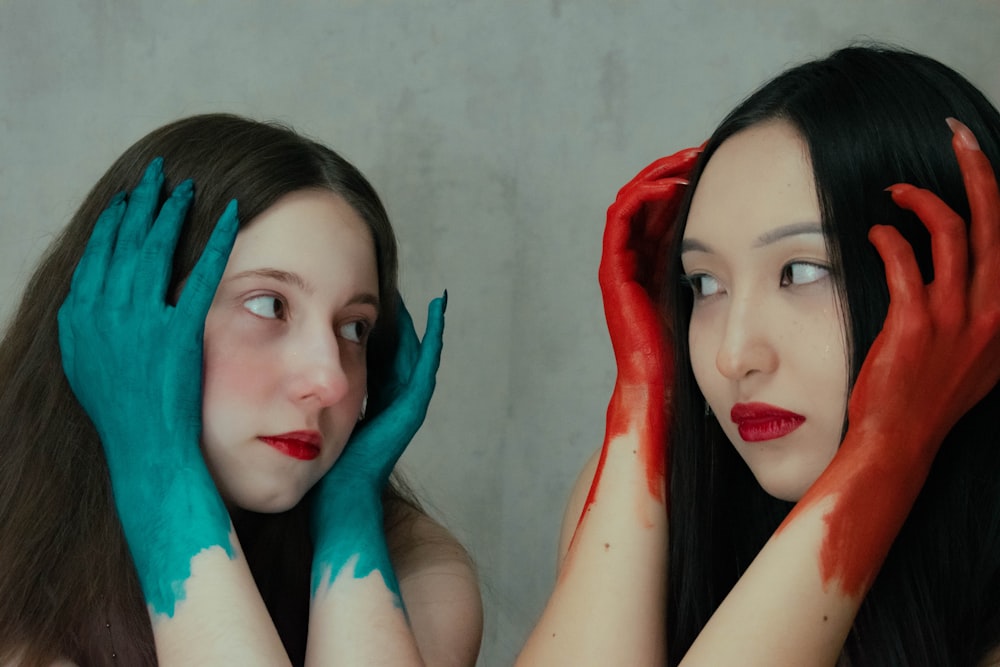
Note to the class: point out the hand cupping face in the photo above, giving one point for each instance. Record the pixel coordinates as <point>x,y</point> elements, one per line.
<point>134,363</point>
<point>347,510</point>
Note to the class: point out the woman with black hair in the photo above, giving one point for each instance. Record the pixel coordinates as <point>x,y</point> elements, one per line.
<point>815,419</point>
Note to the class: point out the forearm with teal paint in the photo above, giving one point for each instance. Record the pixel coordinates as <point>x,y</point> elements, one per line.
<point>354,545</point>
<point>357,614</point>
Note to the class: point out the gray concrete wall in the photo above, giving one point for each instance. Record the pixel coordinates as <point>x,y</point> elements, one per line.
<point>497,134</point>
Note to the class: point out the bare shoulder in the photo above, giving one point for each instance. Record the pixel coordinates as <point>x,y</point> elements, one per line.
<point>574,506</point>
<point>440,589</point>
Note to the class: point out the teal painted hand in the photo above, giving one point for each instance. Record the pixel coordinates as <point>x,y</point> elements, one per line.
<point>347,509</point>
<point>134,362</point>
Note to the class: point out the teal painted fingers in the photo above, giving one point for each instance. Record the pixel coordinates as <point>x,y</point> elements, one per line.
<point>374,448</point>
<point>135,225</point>
<point>204,279</point>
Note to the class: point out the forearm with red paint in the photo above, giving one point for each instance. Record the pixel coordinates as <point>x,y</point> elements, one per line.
<point>609,602</point>
<point>632,276</point>
<point>938,355</point>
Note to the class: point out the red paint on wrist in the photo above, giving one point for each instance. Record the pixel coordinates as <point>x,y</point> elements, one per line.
<point>873,491</point>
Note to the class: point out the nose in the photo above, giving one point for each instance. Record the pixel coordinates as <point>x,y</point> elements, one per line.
<point>317,373</point>
<point>747,346</point>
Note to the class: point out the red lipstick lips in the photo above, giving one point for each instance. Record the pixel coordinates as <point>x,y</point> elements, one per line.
<point>302,445</point>
<point>759,421</point>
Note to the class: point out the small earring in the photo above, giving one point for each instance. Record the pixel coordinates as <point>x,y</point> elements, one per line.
<point>708,409</point>
<point>364,407</point>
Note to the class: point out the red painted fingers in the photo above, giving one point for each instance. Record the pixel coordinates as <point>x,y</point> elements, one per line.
<point>634,260</point>
<point>944,335</point>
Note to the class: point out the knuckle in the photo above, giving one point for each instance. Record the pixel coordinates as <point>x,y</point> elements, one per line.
<point>988,320</point>
<point>913,323</point>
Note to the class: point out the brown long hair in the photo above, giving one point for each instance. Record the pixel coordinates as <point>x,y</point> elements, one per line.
<point>67,584</point>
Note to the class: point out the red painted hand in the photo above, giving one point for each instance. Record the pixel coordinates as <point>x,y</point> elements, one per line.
<point>938,354</point>
<point>939,351</point>
<point>632,277</point>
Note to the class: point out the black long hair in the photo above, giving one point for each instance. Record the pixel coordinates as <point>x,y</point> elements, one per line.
<point>871,116</point>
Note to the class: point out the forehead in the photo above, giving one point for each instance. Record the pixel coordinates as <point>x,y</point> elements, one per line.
<point>758,179</point>
<point>315,230</point>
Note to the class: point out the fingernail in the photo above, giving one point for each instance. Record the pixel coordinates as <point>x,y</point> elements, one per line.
<point>444,304</point>
<point>184,188</point>
<point>963,133</point>
<point>232,213</point>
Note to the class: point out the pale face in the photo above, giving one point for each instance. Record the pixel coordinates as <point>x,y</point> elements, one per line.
<point>285,342</point>
<point>767,339</point>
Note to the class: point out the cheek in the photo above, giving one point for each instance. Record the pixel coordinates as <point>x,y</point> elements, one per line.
<point>354,361</point>
<point>829,352</point>
<point>228,375</point>
<point>234,371</point>
<point>827,374</point>
<point>702,350</point>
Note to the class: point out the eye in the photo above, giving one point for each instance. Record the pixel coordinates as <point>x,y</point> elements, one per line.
<point>702,284</point>
<point>356,331</point>
<point>802,273</point>
<point>267,306</point>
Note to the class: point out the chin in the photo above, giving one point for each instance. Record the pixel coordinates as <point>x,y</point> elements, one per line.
<point>273,502</point>
<point>782,493</point>
<point>785,488</point>
<point>786,477</point>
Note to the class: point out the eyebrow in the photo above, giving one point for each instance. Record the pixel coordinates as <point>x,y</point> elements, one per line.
<point>296,280</point>
<point>287,277</point>
<point>788,230</point>
<point>767,238</point>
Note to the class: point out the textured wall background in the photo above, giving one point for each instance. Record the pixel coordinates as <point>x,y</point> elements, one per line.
<point>497,134</point>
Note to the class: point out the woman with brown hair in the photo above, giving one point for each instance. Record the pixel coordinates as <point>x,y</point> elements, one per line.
<point>190,493</point>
